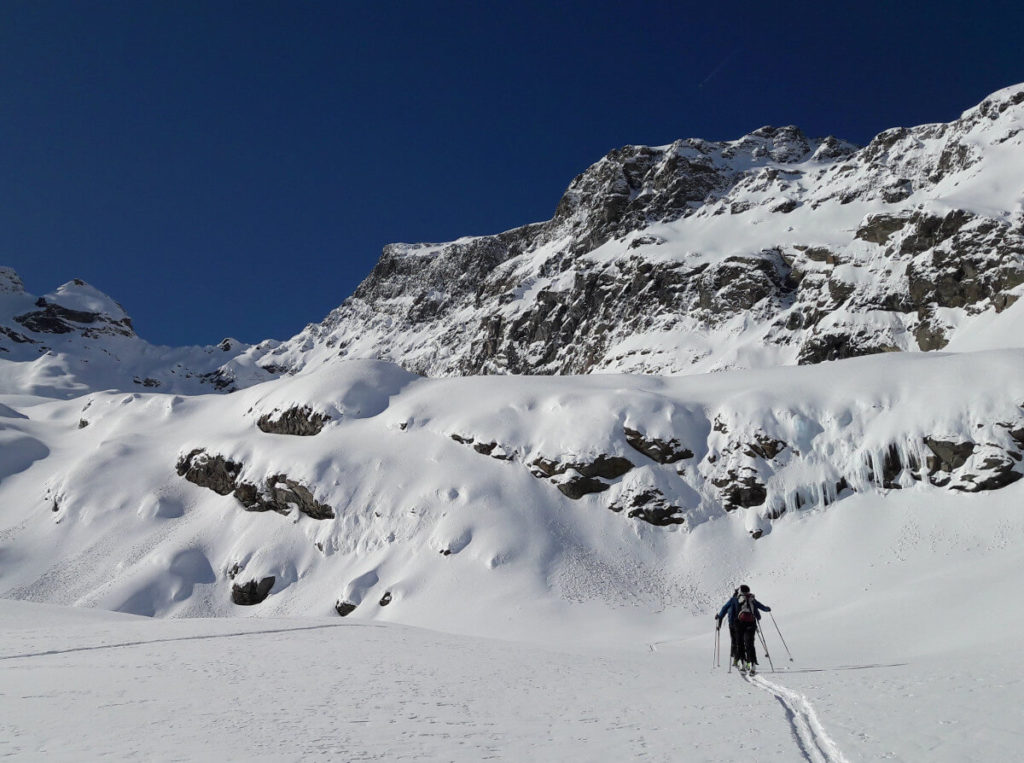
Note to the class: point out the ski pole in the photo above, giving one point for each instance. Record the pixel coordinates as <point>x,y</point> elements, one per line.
<point>714,663</point>
<point>764,645</point>
<point>780,636</point>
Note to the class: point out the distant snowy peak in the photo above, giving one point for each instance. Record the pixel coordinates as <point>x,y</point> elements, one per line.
<point>79,296</point>
<point>77,339</point>
<point>76,307</point>
<point>699,256</point>
<point>10,281</point>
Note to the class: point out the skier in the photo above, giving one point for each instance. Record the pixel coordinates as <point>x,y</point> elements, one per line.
<point>734,638</point>
<point>743,610</point>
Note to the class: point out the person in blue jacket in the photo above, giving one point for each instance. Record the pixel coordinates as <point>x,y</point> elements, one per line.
<point>734,639</point>
<point>742,610</point>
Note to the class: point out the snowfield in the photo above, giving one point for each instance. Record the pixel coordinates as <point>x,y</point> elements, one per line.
<point>493,615</point>
<point>895,612</point>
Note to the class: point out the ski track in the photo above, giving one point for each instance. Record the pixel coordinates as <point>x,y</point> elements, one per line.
<point>815,743</point>
<point>206,637</point>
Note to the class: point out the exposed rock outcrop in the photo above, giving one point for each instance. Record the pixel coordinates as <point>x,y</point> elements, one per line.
<point>604,466</point>
<point>947,456</point>
<point>210,471</point>
<point>52,318</point>
<point>741,488</point>
<point>281,494</point>
<point>490,448</point>
<point>662,451</point>
<point>300,420</point>
<point>252,592</point>
<point>277,492</point>
<point>673,298</point>
<point>576,479</point>
<point>651,506</point>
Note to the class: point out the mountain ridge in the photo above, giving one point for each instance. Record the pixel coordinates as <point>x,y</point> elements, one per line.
<point>695,256</point>
<point>317,481</point>
<point>631,273</point>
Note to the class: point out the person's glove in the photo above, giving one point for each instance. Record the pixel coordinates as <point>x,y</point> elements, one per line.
<point>718,623</point>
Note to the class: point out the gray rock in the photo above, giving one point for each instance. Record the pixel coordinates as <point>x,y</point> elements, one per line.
<point>282,494</point>
<point>835,345</point>
<point>300,421</point>
<point>252,592</point>
<point>662,451</point>
<point>607,467</point>
<point>278,493</point>
<point>576,486</point>
<point>878,228</point>
<point>492,448</point>
<point>576,479</point>
<point>996,472</point>
<point>764,447</point>
<point>741,488</point>
<point>56,319</point>
<point>948,456</point>
<point>210,471</point>
<point>651,506</point>
<point>15,336</point>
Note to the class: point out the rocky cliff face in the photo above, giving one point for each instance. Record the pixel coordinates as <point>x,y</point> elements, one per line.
<point>699,256</point>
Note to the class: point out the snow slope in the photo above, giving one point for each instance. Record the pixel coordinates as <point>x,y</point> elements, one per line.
<point>475,504</point>
<point>893,609</point>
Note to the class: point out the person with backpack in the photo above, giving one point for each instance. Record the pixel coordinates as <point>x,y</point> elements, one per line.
<point>742,610</point>
<point>734,638</point>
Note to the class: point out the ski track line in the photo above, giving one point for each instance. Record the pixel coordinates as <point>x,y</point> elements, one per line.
<point>815,742</point>
<point>124,644</point>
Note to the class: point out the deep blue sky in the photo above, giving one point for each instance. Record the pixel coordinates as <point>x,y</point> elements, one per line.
<point>234,168</point>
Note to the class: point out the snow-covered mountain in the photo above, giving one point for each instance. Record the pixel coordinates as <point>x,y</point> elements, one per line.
<point>425,457</point>
<point>313,476</point>
<point>77,339</point>
<point>701,256</point>
<point>773,249</point>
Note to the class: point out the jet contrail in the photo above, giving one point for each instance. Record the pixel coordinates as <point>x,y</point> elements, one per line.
<point>718,68</point>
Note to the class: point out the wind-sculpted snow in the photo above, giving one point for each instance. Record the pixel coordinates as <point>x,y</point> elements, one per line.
<point>532,490</point>
<point>699,256</point>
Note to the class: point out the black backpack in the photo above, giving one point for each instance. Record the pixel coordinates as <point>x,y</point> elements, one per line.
<point>745,608</point>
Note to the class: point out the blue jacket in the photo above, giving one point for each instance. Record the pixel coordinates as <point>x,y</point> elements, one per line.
<point>733,608</point>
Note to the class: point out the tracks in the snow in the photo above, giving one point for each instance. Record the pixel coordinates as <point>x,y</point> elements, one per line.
<point>172,640</point>
<point>815,743</point>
